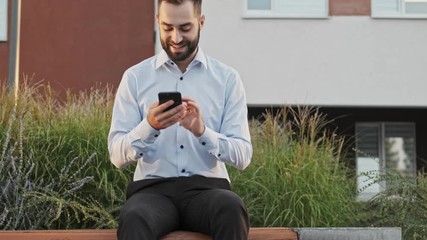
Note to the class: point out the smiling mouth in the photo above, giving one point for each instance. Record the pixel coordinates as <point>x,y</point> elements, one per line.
<point>177,47</point>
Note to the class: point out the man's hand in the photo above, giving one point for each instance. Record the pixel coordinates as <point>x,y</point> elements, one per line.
<point>192,120</point>
<point>161,120</point>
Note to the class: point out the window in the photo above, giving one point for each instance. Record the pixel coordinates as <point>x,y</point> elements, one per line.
<point>286,9</point>
<point>3,20</point>
<point>399,8</point>
<point>381,147</point>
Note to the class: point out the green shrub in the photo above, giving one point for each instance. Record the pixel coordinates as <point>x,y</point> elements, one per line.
<point>403,204</point>
<point>65,179</point>
<point>42,202</point>
<point>296,178</point>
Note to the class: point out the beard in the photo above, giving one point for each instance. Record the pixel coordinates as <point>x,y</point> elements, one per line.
<point>189,45</point>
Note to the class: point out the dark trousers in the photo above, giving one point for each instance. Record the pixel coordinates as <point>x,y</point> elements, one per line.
<point>155,207</point>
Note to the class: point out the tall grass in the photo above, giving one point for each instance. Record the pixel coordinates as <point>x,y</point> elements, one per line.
<point>30,202</point>
<point>59,134</point>
<point>55,170</point>
<point>296,177</point>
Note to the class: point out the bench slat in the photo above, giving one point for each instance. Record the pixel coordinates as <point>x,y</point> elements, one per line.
<point>272,234</point>
<point>110,234</point>
<point>107,234</point>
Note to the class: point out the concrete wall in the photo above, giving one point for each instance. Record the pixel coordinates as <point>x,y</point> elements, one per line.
<point>348,59</point>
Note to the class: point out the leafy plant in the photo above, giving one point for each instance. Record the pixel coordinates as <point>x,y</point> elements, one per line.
<point>403,204</point>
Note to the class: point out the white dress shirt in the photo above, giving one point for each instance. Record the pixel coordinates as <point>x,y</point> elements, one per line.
<point>175,151</point>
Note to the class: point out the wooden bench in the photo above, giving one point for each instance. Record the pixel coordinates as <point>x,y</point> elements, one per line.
<point>110,234</point>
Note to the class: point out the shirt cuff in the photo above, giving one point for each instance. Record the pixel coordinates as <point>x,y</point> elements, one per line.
<point>210,141</point>
<point>144,132</point>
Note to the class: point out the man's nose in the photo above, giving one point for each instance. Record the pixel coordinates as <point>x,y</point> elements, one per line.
<point>176,36</point>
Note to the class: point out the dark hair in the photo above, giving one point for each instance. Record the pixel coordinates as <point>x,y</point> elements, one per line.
<point>197,4</point>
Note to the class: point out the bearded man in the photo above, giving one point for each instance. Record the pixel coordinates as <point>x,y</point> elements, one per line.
<point>180,180</point>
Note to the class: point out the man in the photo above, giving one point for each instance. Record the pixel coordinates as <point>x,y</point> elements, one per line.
<point>181,181</point>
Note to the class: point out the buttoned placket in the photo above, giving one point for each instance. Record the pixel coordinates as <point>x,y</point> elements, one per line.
<point>181,151</point>
<point>182,167</point>
<point>181,132</point>
<point>181,74</point>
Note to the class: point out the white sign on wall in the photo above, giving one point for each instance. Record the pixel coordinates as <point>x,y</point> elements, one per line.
<point>3,20</point>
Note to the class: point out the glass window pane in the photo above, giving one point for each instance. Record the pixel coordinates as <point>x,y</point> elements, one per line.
<point>368,162</point>
<point>416,7</point>
<point>399,8</point>
<point>368,137</point>
<point>368,169</point>
<point>259,4</point>
<point>301,7</point>
<point>399,147</point>
<point>287,8</point>
<point>385,6</point>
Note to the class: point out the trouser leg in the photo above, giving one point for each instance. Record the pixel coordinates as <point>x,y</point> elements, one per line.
<point>147,216</point>
<point>220,213</point>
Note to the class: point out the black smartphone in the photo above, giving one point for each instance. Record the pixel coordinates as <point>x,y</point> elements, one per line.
<point>166,96</point>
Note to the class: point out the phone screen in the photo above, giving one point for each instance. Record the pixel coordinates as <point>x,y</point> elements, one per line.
<point>166,96</point>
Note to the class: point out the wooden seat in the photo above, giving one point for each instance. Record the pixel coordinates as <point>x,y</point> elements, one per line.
<point>110,234</point>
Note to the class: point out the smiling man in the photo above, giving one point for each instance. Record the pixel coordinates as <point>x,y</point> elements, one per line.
<point>181,180</point>
<point>179,34</point>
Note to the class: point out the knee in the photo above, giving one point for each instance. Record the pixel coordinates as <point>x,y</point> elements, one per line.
<point>230,205</point>
<point>130,213</point>
<point>133,224</point>
<point>230,219</point>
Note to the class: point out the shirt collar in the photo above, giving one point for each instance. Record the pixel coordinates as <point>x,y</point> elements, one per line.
<point>163,58</point>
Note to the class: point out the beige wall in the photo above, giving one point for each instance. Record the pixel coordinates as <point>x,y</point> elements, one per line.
<point>347,59</point>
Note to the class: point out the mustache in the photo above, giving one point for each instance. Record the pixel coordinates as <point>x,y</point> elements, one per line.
<point>180,44</point>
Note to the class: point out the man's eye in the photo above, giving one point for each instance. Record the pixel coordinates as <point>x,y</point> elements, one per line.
<point>167,29</point>
<point>186,29</point>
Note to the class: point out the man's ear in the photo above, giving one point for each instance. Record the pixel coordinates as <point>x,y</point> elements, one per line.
<point>202,21</point>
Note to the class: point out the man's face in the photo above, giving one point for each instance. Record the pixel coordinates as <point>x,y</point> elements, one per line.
<point>179,30</point>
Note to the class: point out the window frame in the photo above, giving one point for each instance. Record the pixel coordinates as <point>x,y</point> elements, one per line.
<point>273,13</point>
<point>381,158</point>
<point>398,14</point>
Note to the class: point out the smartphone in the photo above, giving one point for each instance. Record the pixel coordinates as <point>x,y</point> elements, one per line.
<point>166,96</point>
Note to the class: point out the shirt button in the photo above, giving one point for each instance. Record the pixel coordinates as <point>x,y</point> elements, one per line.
<point>140,154</point>
<point>182,146</point>
<point>219,154</point>
<point>181,78</point>
<point>203,143</point>
<point>156,135</point>
<point>183,170</point>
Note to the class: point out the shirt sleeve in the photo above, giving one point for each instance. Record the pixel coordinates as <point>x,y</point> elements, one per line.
<point>232,143</point>
<point>130,136</point>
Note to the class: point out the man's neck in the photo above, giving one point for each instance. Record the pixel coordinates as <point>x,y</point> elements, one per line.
<point>182,65</point>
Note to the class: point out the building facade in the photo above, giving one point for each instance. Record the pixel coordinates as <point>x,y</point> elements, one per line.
<point>362,62</point>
